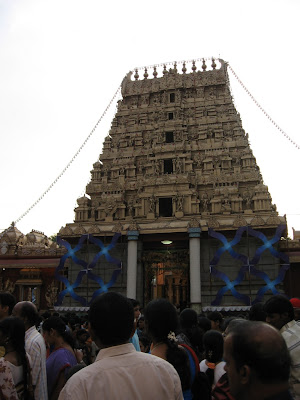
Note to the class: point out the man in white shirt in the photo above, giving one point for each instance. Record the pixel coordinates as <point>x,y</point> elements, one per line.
<point>120,372</point>
<point>280,314</point>
<point>35,347</point>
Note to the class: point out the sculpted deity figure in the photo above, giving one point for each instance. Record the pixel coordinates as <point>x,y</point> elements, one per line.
<point>205,201</point>
<point>51,294</point>
<point>152,203</point>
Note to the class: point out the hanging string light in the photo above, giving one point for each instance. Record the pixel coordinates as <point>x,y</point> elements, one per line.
<point>145,69</point>
<point>262,109</point>
<point>72,159</point>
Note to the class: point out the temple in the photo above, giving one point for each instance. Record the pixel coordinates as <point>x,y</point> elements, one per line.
<point>178,181</point>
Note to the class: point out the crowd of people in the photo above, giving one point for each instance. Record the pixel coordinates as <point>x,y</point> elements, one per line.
<point>119,350</point>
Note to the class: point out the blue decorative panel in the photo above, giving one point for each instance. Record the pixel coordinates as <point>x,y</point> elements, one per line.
<point>87,268</point>
<point>247,265</point>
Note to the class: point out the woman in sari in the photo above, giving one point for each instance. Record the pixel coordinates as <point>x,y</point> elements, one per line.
<point>15,378</point>
<point>62,357</point>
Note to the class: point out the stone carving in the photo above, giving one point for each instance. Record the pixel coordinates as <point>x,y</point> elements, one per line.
<point>239,221</point>
<point>133,226</point>
<point>209,150</point>
<point>226,204</point>
<point>213,223</point>
<point>7,286</point>
<point>93,229</point>
<point>177,165</point>
<point>152,204</point>
<point>205,201</point>
<point>257,221</point>
<point>247,196</point>
<point>194,223</point>
<point>178,202</point>
<point>110,207</point>
<point>79,230</point>
<point>65,231</point>
<point>51,294</point>
<point>273,220</point>
<point>118,228</point>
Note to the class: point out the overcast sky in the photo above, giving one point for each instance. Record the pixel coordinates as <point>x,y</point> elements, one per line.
<point>61,62</point>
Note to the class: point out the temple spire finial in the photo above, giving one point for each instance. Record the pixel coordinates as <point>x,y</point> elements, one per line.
<point>146,73</point>
<point>194,68</point>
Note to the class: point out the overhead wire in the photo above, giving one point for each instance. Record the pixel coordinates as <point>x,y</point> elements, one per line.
<point>112,100</point>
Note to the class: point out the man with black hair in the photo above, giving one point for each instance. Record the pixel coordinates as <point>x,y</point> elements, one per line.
<point>120,372</point>
<point>280,314</point>
<point>35,347</point>
<point>257,362</point>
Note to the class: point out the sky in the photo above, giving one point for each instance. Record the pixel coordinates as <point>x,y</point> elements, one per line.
<point>61,62</point>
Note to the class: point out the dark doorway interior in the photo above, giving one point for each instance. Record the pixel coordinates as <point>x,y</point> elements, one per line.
<point>165,207</point>
<point>168,167</point>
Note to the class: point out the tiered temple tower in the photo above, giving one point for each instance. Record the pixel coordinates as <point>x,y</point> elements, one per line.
<point>175,163</point>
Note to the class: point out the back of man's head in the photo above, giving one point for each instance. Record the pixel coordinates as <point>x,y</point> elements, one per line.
<point>111,318</point>
<point>262,348</point>
<point>279,304</point>
<point>7,299</point>
<point>28,312</point>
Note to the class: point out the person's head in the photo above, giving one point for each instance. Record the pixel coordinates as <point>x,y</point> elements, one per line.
<point>12,333</point>
<point>27,312</point>
<point>279,311</point>
<point>161,322</point>
<point>188,319</point>
<point>257,312</point>
<point>256,356</point>
<point>111,319</point>
<point>46,315</point>
<point>216,319</point>
<point>7,303</point>
<point>160,319</point>
<point>136,307</point>
<point>213,346</point>
<point>204,323</point>
<point>145,343</point>
<point>54,329</point>
<point>82,335</point>
<point>141,323</point>
<point>232,323</point>
<point>213,349</point>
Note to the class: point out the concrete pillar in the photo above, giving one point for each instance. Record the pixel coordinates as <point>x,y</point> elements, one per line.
<point>132,263</point>
<point>195,275</point>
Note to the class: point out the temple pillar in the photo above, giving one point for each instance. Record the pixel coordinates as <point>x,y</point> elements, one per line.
<point>195,275</point>
<point>132,263</point>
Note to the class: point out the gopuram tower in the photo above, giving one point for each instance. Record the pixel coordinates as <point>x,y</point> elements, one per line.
<point>178,180</point>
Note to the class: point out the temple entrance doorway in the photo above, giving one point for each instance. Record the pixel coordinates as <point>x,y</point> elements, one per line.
<point>167,276</point>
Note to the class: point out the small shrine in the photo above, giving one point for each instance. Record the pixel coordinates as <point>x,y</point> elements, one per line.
<point>27,266</point>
